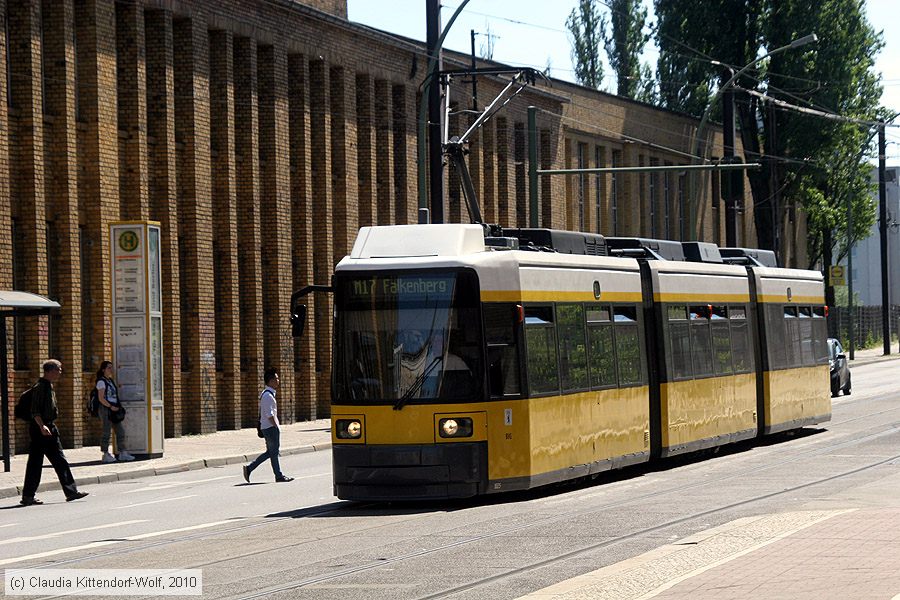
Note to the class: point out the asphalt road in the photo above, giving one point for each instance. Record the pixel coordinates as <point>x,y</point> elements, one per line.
<point>295,540</point>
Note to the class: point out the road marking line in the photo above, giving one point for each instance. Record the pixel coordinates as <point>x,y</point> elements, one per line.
<point>154,502</point>
<point>59,533</point>
<point>165,486</point>
<point>100,544</point>
<point>316,475</point>
<point>8,525</point>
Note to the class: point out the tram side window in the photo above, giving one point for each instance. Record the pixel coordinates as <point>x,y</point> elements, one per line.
<point>820,335</point>
<point>740,339</point>
<point>572,347</point>
<point>628,345</point>
<point>679,342</point>
<point>602,348</point>
<point>806,336</point>
<point>701,345</point>
<point>503,354</point>
<point>721,340</point>
<point>775,337</point>
<point>540,344</point>
<point>792,337</point>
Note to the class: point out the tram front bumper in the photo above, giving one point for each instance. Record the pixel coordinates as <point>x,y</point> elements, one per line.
<point>409,472</point>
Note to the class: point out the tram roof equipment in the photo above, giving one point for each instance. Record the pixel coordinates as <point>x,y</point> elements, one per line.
<point>704,252</point>
<point>645,248</point>
<point>753,257</point>
<point>556,240</point>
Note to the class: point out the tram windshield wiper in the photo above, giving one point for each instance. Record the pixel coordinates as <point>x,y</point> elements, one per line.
<point>418,383</point>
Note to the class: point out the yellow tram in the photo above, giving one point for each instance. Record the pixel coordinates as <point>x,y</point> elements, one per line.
<point>466,363</point>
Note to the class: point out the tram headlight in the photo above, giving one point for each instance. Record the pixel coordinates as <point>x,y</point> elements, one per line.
<point>348,429</point>
<point>455,428</point>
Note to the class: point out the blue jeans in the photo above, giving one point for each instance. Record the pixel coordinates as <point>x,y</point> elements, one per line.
<point>107,427</point>
<point>272,436</point>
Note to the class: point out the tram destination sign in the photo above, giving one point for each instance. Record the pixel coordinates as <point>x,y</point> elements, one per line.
<point>435,288</point>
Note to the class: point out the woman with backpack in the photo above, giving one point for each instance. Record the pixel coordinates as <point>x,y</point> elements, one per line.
<point>108,395</point>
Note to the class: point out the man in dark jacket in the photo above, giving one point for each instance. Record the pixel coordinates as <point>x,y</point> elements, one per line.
<point>45,439</point>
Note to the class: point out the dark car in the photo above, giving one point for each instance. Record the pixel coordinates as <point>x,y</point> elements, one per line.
<point>840,368</point>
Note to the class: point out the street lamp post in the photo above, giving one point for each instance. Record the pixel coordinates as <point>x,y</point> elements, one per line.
<point>730,205</point>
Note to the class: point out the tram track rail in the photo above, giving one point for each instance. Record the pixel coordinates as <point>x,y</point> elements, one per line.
<point>339,507</point>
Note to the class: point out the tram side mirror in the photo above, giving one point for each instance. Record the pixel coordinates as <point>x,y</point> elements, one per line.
<point>298,320</point>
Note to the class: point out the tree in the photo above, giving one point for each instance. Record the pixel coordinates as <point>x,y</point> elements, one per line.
<point>809,161</point>
<point>624,40</point>
<point>585,27</point>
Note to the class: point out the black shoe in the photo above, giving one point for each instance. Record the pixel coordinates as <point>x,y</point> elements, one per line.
<point>30,501</point>
<point>76,496</point>
<point>283,479</point>
<point>246,473</point>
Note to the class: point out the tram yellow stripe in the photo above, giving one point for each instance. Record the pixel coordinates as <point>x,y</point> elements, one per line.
<point>556,296</point>
<point>783,299</point>
<point>702,298</point>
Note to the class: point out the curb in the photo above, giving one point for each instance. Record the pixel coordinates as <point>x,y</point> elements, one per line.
<point>188,465</point>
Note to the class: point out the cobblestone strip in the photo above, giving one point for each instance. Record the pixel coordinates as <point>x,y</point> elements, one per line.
<point>652,573</point>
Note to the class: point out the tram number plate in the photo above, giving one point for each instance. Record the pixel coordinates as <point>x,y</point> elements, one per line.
<point>507,416</point>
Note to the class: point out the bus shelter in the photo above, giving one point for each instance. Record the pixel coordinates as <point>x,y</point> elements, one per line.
<point>15,304</point>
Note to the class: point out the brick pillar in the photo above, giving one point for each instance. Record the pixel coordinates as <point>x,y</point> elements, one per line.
<point>302,234</point>
<point>401,177</point>
<point>546,183</point>
<point>250,267</point>
<point>505,174</point>
<point>191,61</point>
<point>132,94</point>
<point>163,192</point>
<point>343,160</point>
<point>6,277</point>
<point>226,259</point>
<point>275,202</point>
<point>405,124</point>
<point>520,157</point>
<point>643,204</point>
<point>474,161</point>
<point>571,220</point>
<point>384,152</point>
<point>488,197</point>
<point>629,198</point>
<point>61,140</point>
<point>323,265</point>
<point>454,209</point>
<point>27,154</point>
<point>367,148</point>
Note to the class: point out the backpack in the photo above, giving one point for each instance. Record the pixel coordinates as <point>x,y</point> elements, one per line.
<point>23,405</point>
<point>93,404</point>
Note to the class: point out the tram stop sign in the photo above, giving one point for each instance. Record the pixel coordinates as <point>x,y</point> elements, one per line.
<point>836,275</point>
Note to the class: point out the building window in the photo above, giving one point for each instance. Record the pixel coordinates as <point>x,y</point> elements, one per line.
<point>667,202</point>
<point>598,187</point>
<point>614,192</point>
<point>682,206</point>
<point>9,88</point>
<point>581,157</point>
<point>84,245</point>
<point>642,195</point>
<point>653,185</point>
<point>20,349</point>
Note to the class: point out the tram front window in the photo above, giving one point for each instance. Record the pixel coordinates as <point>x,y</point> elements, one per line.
<point>408,337</point>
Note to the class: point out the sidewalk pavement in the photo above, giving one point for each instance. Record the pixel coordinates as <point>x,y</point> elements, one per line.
<point>186,453</point>
<point>870,355</point>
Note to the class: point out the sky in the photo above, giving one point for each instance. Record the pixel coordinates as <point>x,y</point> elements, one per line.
<point>533,33</point>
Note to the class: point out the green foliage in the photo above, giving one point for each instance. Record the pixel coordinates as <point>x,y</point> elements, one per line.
<point>815,163</point>
<point>585,25</point>
<point>624,39</point>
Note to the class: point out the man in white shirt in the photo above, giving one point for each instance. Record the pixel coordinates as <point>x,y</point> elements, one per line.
<point>268,422</point>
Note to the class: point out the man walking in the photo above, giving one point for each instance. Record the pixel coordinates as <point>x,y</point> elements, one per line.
<point>45,439</point>
<point>271,430</point>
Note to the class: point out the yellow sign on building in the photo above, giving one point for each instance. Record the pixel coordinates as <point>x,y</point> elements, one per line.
<point>836,275</point>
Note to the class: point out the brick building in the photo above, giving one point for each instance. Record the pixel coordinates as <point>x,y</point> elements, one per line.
<point>261,134</point>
